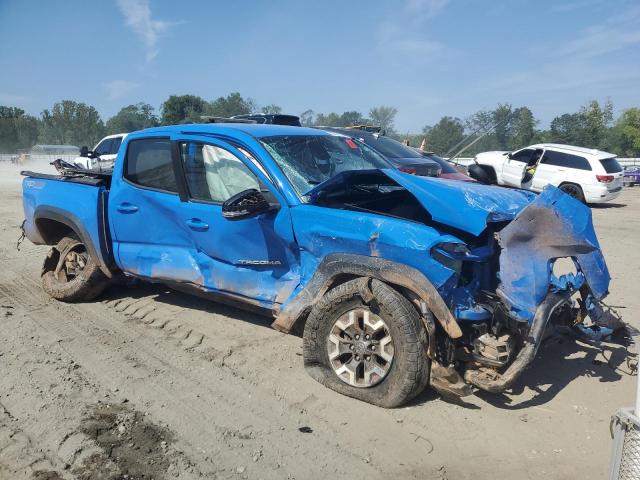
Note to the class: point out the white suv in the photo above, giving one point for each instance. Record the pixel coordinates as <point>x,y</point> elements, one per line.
<point>103,154</point>
<point>591,176</point>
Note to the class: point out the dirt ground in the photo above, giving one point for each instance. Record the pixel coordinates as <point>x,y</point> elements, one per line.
<point>150,383</point>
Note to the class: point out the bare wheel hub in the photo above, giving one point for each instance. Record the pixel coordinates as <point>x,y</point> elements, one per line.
<point>360,348</point>
<point>72,262</point>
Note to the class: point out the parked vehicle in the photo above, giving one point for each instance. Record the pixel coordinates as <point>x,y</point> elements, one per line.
<point>271,118</point>
<point>398,281</point>
<point>103,155</point>
<point>449,170</point>
<point>591,176</point>
<point>631,176</point>
<point>399,155</point>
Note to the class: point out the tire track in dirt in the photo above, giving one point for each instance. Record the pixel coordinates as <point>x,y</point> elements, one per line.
<point>99,340</point>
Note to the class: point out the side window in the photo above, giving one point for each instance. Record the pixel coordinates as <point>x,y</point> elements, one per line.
<point>104,147</point>
<point>565,160</point>
<point>149,164</point>
<point>115,145</point>
<point>213,173</point>
<point>522,155</point>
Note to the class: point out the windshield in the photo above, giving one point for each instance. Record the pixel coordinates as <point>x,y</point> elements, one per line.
<point>308,160</point>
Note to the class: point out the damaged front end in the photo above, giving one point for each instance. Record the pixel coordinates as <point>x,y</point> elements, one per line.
<point>544,267</point>
<point>506,264</point>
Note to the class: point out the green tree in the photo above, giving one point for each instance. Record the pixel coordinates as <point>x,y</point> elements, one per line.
<point>307,118</point>
<point>596,120</point>
<point>70,122</point>
<point>384,117</point>
<point>345,119</point>
<point>232,104</point>
<point>568,128</point>
<point>502,121</point>
<point>17,130</point>
<point>132,118</point>
<point>444,135</point>
<point>626,134</point>
<point>523,128</point>
<point>352,117</point>
<point>183,109</point>
<point>588,127</point>
<point>272,109</point>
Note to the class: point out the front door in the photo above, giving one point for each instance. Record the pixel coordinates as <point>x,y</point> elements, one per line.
<point>253,257</point>
<point>514,166</point>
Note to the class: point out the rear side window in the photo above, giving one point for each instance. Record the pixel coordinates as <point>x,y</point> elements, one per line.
<point>611,165</point>
<point>149,164</point>
<point>565,160</point>
<point>115,146</point>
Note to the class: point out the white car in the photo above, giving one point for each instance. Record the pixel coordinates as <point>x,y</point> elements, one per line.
<point>103,154</point>
<point>591,176</point>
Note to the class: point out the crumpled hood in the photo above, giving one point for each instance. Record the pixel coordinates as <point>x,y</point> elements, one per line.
<point>467,206</point>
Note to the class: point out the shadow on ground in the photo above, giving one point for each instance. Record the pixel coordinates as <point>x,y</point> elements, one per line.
<point>561,358</point>
<point>604,206</point>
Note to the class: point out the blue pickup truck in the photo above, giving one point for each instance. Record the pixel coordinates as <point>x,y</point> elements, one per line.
<point>396,281</point>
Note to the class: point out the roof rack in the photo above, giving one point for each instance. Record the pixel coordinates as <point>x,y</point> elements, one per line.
<point>212,119</point>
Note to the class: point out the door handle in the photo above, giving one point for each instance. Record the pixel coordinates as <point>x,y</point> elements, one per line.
<point>126,207</point>
<point>197,225</point>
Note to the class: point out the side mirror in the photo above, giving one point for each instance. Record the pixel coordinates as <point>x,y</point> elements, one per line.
<point>509,155</point>
<point>247,203</point>
<point>84,151</point>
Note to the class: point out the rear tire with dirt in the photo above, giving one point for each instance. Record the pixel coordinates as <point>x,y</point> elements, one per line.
<point>365,340</point>
<point>71,274</point>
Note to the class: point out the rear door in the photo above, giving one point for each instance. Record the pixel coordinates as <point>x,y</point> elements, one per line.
<point>150,237</point>
<point>556,168</point>
<point>514,166</point>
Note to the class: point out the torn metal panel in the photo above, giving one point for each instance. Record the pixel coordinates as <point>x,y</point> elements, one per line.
<point>467,206</point>
<point>553,226</point>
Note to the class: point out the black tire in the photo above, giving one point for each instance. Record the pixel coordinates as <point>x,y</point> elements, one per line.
<point>482,173</point>
<point>408,374</point>
<point>87,282</point>
<point>573,190</point>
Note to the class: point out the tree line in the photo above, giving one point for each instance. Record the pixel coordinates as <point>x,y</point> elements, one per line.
<point>503,128</point>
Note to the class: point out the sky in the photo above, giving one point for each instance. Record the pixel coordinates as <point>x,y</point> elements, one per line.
<point>427,58</point>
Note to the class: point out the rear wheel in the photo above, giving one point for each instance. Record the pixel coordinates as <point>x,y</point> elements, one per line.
<point>365,340</point>
<point>574,190</point>
<point>71,274</point>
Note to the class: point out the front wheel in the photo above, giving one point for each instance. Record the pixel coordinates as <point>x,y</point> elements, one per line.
<point>365,340</point>
<point>71,274</point>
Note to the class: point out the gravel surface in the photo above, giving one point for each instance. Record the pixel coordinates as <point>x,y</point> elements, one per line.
<point>146,382</point>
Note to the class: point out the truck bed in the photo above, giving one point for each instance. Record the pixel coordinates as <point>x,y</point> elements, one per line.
<point>56,205</point>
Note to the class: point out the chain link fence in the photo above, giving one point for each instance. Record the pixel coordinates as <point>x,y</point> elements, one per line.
<point>625,464</point>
